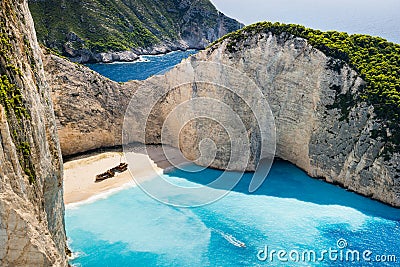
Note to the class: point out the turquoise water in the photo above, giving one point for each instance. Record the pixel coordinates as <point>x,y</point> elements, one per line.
<point>141,70</point>
<point>291,211</point>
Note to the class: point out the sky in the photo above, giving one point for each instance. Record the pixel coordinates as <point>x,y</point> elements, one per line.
<point>375,17</point>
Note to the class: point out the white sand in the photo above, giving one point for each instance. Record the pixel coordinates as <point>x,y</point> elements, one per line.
<point>80,174</point>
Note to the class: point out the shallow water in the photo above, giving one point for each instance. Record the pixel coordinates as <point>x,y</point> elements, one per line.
<point>290,211</point>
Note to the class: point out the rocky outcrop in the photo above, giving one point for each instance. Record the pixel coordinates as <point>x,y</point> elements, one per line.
<point>304,88</point>
<point>125,56</point>
<point>106,57</point>
<point>89,107</point>
<point>31,194</point>
<point>84,29</point>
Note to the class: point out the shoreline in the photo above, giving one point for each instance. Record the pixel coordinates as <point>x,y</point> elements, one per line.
<point>133,55</point>
<point>140,59</point>
<point>80,173</point>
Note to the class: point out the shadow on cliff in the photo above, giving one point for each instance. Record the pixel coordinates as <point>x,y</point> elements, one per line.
<point>287,181</point>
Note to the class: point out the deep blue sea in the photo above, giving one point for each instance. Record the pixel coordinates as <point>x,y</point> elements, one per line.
<point>290,212</point>
<point>374,17</point>
<point>290,217</point>
<point>142,69</point>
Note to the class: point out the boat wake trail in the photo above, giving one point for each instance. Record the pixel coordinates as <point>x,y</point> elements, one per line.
<point>230,238</point>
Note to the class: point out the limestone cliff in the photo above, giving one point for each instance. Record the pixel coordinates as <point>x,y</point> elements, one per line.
<point>89,107</point>
<point>303,86</point>
<point>31,194</point>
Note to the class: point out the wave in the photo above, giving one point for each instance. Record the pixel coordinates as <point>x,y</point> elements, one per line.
<point>75,255</point>
<point>108,193</point>
<point>103,195</point>
<point>140,59</point>
<point>194,51</point>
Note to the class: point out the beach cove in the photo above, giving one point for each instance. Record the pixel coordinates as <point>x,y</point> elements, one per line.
<point>116,223</point>
<point>80,172</point>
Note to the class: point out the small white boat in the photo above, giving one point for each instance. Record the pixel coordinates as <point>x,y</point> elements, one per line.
<point>231,239</point>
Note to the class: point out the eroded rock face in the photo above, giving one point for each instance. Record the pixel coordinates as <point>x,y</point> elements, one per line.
<point>31,194</point>
<point>89,108</point>
<point>304,89</point>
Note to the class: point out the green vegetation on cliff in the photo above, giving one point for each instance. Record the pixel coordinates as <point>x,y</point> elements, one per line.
<point>11,97</point>
<point>114,25</point>
<point>375,59</point>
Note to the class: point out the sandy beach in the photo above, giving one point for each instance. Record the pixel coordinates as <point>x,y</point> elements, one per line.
<point>80,174</point>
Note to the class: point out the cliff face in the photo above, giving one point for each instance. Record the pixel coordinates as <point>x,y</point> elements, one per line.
<point>89,107</point>
<point>31,202</point>
<point>305,90</point>
<point>85,30</point>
